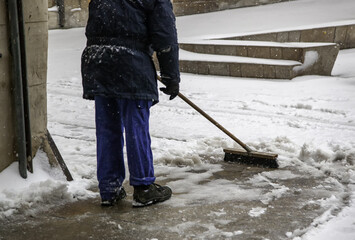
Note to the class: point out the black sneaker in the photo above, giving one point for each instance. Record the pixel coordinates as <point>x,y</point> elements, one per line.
<point>110,202</point>
<point>147,195</point>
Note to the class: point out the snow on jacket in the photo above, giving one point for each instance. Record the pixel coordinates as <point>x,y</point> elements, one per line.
<point>121,37</point>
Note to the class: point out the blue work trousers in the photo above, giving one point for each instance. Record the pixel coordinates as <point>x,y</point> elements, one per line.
<point>114,117</point>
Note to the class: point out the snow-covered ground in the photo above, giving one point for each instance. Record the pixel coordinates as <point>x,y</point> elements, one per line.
<point>298,14</point>
<point>309,121</point>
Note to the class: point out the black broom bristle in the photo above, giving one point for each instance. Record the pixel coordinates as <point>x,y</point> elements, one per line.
<point>253,158</point>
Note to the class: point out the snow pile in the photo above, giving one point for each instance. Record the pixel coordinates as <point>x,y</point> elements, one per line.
<point>46,187</point>
<point>310,58</point>
<point>334,161</point>
<point>340,227</point>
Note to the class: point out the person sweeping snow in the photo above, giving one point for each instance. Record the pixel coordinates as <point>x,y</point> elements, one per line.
<point>119,74</point>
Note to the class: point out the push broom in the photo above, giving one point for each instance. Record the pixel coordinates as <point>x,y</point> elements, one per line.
<point>245,155</point>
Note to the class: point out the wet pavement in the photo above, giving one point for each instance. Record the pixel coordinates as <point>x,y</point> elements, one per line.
<point>285,216</point>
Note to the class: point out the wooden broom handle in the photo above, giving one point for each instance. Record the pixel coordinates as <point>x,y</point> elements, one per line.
<point>209,118</point>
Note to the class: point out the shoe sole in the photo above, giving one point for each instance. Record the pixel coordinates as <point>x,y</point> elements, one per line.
<point>137,204</point>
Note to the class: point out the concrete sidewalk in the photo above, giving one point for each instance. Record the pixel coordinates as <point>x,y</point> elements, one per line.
<point>286,216</point>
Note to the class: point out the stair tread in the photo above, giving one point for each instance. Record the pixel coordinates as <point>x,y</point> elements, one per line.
<point>191,56</point>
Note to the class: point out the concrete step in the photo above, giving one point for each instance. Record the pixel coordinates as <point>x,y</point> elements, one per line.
<point>319,57</point>
<point>314,48</point>
<point>256,49</point>
<point>342,33</point>
<point>236,66</point>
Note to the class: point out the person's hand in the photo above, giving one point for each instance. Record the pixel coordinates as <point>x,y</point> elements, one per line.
<point>171,88</point>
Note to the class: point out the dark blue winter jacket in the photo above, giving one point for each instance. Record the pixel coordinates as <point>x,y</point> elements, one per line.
<point>121,37</point>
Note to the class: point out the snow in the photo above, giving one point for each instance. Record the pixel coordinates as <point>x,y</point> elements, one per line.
<point>53,9</point>
<point>46,187</point>
<point>284,29</point>
<point>299,14</point>
<point>345,68</point>
<point>309,121</point>
<point>256,212</point>
<point>310,58</point>
<point>75,10</point>
<point>340,227</point>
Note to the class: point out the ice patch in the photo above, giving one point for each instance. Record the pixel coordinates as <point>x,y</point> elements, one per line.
<point>280,174</point>
<point>256,212</point>
<point>221,212</point>
<point>192,185</point>
<point>182,227</point>
<point>212,232</point>
<point>275,193</point>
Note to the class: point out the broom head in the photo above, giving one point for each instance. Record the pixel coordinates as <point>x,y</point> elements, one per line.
<point>251,158</point>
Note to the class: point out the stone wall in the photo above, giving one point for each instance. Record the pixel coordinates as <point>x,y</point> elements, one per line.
<point>36,30</point>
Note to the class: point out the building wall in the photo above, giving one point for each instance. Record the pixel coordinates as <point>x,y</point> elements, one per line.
<point>75,14</point>
<point>76,11</point>
<point>36,30</point>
